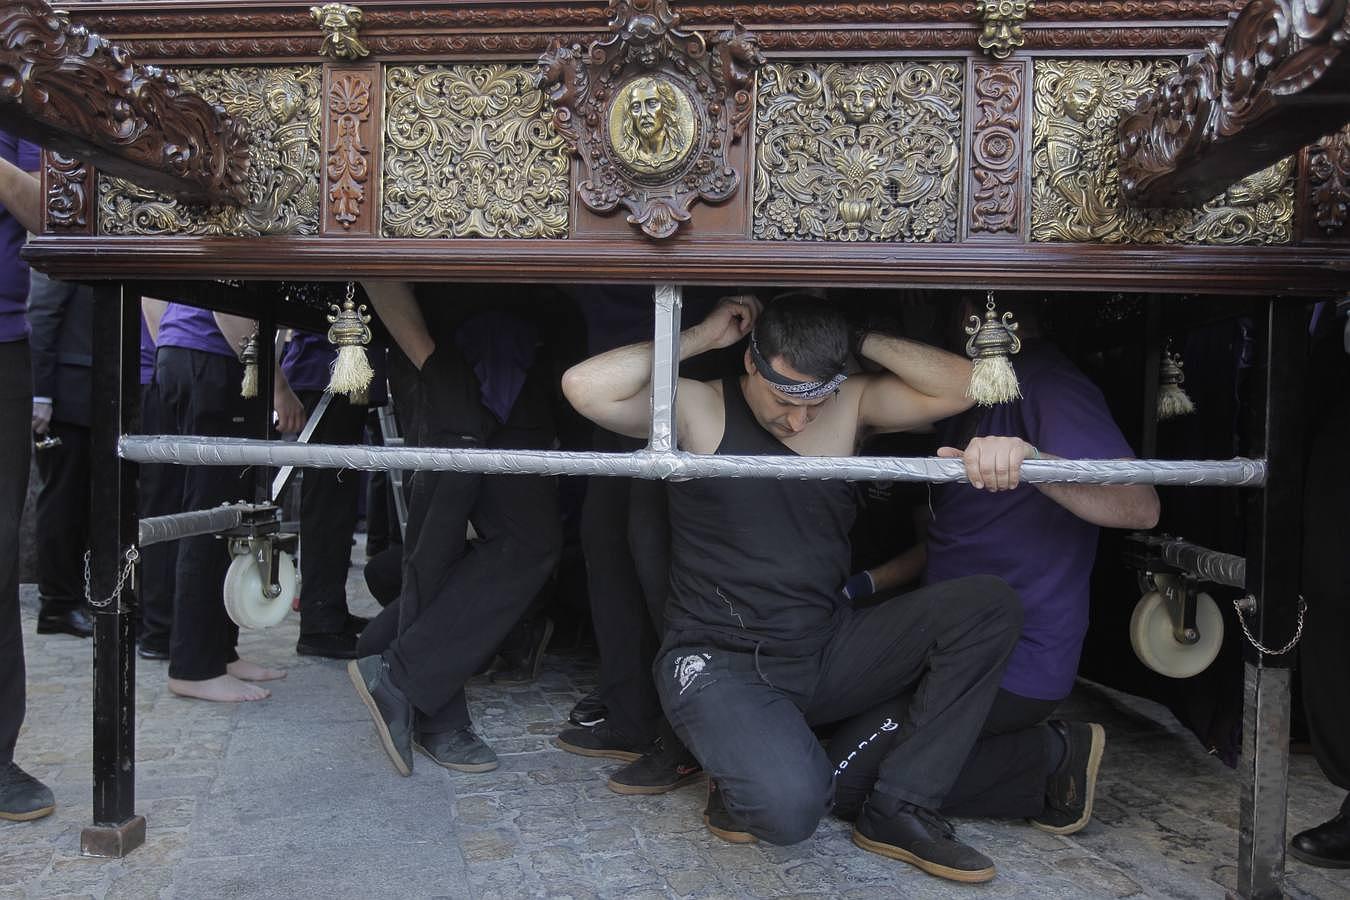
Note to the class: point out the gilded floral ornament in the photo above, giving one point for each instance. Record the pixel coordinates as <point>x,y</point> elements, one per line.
<point>339,23</point>
<point>858,152</point>
<point>651,112</point>
<point>1076,193</point>
<point>1002,21</point>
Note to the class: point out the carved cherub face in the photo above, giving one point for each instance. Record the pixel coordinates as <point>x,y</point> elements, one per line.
<point>857,99</point>
<point>1082,95</point>
<point>282,103</point>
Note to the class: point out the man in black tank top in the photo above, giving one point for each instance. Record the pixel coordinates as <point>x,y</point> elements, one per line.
<point>758,646</point>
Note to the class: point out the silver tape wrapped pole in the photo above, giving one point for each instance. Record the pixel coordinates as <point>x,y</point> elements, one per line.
<point>211,451</point>
<point>158,529</point>
<point>1211,565</point>
<point>665,366</point>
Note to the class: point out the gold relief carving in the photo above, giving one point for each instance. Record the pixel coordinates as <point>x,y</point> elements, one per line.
<point>339,23</point>
<point>1002,20</point>
<point>471,151</point>
<point>280,106</point>
<point>996,149</point>
<point>652,126</point>
<point>858,152</point>
<point>348,162</point>
<point>1076,180</point>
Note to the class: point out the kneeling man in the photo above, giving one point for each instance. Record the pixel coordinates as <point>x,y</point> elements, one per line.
<point>758,647</point>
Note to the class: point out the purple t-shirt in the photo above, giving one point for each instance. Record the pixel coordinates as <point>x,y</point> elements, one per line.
<point>13,270</point>
<point>1040,548</point>
<point>193,329</point>
<point>147,353</point>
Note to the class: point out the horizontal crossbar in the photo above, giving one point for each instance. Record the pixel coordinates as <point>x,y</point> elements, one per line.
<point>673,464</point>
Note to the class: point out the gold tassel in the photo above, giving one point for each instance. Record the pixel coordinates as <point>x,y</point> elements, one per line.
<point>1173,400</point>
<point>992,341</point>
<point>249,357</point>
<point>350,332</point>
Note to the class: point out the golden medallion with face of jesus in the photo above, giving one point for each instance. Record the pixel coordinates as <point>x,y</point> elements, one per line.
<point>652,125</point>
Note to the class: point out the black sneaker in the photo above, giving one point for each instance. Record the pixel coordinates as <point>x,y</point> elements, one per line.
<point>603,740</point>
<point>589,711</point>
<point>462,750</point>
<point>22,797</point>
<point>719,820</point>
<point>389,708</point>
<point>664,768</point>
<point>923,839</point>
<point>329,646</point>
<point>1070,790</point>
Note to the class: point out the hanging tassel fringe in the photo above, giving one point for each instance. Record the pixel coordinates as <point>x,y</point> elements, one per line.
<point>993,379</point>
<point>350,332</point>
<point>249,357</point>
<point>1173,400</point>
<point>351,373</point>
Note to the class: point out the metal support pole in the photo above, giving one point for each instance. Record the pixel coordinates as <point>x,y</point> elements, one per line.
<point>665,366</point>
<point>116,830</point>
<point>1273,577</point>
<point>1153,348</point>
<point>267,356</point>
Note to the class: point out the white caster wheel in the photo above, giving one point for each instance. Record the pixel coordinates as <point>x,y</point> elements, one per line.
<point>245,602</point>
<point>1153,641</point>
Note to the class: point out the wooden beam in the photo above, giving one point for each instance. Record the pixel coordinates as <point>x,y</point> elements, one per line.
<point>73,92</point>
<point>1278,80</point>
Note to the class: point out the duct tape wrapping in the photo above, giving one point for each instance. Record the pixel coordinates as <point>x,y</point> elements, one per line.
<point>158,529</point>
<point>1211,565</point>
<point>673,465</point>
<point>665,366</point>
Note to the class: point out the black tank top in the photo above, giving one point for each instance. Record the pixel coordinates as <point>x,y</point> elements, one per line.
<point>757,561</point>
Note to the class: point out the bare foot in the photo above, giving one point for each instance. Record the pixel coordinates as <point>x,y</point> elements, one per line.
<point>251,671</point>
<point>222,689</point>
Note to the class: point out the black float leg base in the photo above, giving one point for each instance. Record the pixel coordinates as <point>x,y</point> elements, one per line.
<point>113,841</point>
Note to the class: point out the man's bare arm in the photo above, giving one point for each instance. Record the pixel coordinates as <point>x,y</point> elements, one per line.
<point>397,308</point>
<point>925,384</point>
<point>236,329</point>
<point>21,194</point>
<point>613,389</point>
<point>154,311</point>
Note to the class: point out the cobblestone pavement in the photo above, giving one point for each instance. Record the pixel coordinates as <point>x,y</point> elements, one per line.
<point>293,797</point>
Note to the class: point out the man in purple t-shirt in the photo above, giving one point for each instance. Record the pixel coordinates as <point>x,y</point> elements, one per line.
<point>22,797</point>
<point>1042,540</point>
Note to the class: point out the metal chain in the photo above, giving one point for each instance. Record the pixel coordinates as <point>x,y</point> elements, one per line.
<point>1249,601</point>
<point>132,556</point>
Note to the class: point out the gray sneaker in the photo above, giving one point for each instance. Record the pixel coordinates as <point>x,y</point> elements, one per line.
<point>462,750</point>
<point>22,797</point>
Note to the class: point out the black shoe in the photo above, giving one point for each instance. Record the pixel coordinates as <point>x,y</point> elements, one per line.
<point>460,750</point>
<point>151,651</point>
<point>666,767</point>
<point>923,839</point>
<point>525,668</point>
<point>1326,845</point>
<point>603,740</point>
<point>589,711</point>
<point>1070,790</point>
<point>22,797</point>
<point>719,820</point>
<point>391,710</point>
<point>75,622</point>
<point>330,646</point>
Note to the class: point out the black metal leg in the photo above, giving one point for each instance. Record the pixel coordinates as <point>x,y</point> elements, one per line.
<point>116,830</point>
<point>1273,578</point>
<point>267,331</point>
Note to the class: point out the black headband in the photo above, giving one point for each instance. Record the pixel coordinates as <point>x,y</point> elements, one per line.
<point>805,390</point>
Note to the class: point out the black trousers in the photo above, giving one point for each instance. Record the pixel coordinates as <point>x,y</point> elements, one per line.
<point>625,539</point>
<point>1003,778</point>
<point>328,507</point>
<point>16,443</point>
<point>747,716</point>
<point>202,389</point>
<point>460,598</point>
<point>161,494</point>
<point>62,518</point>
<point>1326,588</point>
